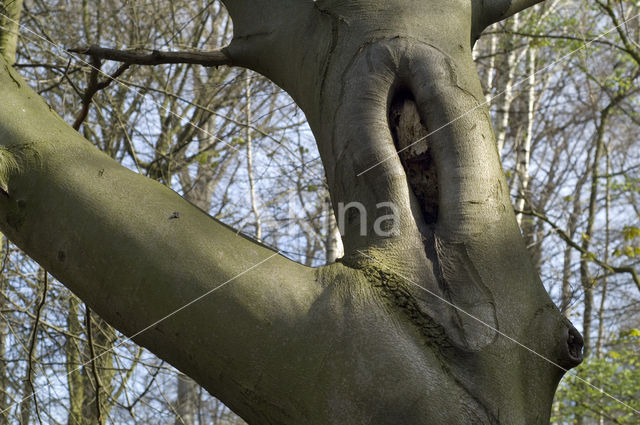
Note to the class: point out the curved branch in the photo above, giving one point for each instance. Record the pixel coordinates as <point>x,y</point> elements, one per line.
<point>487,12</point>
<point>157,57</point>
<point>590,255</point>
<point>153,265</point>
<point>592,39</point>
<point>94,87</point>
<point>629,47</point>
<point>261,17</point>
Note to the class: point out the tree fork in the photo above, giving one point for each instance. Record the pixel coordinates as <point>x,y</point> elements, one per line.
<point>409,328</point>
<point>472,250</point>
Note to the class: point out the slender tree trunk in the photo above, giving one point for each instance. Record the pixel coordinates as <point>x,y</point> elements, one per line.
<point>604,281</point>
<point>524,149</point>
<point>29,401</point>
<point>504,108</point>
<point>567,261</point>
<point>9,28</point>
<point>4,378</point>
<point>75,379</point>
<point>491,69</point>
<point>99,372</point>
<point>186,402</point>
<point>333,246</point>
<point>252,189</point>
<point>25,403</point>
<point>585,276</point>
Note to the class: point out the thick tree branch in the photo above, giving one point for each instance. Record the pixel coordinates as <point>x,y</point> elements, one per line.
<point>262,17</point>
<point>586,39</point>
<point>487,12</point>
<point>214,58</point>
<point>139,255</point>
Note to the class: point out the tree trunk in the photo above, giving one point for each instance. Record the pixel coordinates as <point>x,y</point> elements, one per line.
<point>567,262</point>
<point>9,28</point>
<point>607,244</point>
<point>585,276</point>
<point>249,155</point>
<point>333,245</point>
<point>4,330</point>
<point>186,401</point>
<point>524,149</point>
<point>504,110</point>
<point>75,378</point>
<point>409,327</point>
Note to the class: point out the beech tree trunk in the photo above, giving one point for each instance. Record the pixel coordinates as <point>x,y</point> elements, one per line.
<point>371,339</point>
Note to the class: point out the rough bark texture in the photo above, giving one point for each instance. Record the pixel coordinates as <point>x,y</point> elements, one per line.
<point>359,341</point>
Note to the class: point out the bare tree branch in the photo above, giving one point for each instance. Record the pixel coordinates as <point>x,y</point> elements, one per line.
<point>32,343</point>
<point>94,366</point>
<point>94,87</point>
<point>214,58</point>
<point>590,255</point>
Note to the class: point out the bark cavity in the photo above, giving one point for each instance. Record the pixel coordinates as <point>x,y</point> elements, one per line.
<point>410,138</point>
<point>575,344</point>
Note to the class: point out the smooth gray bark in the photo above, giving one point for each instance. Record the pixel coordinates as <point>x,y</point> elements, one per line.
<point>359,341</point>
<point>487,12</point>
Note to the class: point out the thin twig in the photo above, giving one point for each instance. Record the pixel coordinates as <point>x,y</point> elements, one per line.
<point>88,93</point>
<point>94,87</point>
<point>94,366</point>
<point>32,344</point>
<point>5,256</point>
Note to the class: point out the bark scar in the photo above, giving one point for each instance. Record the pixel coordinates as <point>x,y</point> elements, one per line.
<point>394,288</point>
<point>475,315</point>
<point>12,77</point>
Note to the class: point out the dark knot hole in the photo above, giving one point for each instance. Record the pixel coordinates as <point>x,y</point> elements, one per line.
<point>410,138</point>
